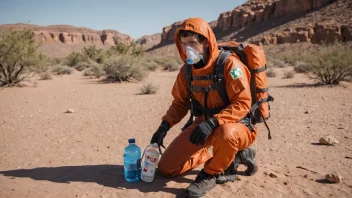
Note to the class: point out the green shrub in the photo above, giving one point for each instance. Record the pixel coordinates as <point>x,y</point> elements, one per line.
<point>75,57</point>
<point>119,49</point>
<point>122,69</point>
<point>19,57</point>
<point>95,54</point>
<point>330,65</point>
<point>149,88</point>
<point>137,51</point>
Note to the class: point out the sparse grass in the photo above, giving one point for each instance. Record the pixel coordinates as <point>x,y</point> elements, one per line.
<point>61,69</point>
<point>45,76</point>
<point>149,88</point>
<point>270,73</point>
<point>289,74</point>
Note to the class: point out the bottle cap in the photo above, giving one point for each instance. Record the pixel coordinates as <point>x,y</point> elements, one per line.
<point>132,140</point>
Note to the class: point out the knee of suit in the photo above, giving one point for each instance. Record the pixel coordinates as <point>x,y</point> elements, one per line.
<point>165,169</point>
<point>227,132</point>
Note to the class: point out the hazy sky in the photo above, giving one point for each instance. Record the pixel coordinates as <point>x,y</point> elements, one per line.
<point>133,17</point>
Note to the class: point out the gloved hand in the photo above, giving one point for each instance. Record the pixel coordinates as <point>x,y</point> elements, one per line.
<point>203,130</point>
<point>160,134</point>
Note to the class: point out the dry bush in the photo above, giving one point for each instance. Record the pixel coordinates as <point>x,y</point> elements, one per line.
<point>289,74</point>
<point>171,65</point>
<point>302,67</point>
<point>273,62</point>
<point>270,73</point>
<point>149,88</point>
<point>61,69</point>
<point>95,70</point>
<point>45,76</point>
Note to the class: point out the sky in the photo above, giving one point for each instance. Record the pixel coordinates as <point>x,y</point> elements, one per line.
<point>135,18</point>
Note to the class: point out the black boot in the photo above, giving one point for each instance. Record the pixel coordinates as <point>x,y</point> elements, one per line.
<point>246,157</point>
<point>201,185</point>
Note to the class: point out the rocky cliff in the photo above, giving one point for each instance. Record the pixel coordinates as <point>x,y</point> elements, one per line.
<point>281,21</point>
<point>72,35</point>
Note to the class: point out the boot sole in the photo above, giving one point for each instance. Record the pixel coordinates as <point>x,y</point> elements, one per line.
<point>252,163</point>
<point>197,196</point>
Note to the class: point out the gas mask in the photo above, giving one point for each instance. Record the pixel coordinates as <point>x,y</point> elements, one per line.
<point>192,56</point>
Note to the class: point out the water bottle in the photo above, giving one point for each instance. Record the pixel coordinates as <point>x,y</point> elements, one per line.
<point>150,160</point>
<point>192,56</point>
<point>132,161</point>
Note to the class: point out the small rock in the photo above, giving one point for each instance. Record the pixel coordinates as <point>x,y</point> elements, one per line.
<point>70,111</point>
<point>123,188</point>
<point>334,177</point>
<point>108,147</point>
<point>272,175</point>
<point>340,128</point>
<point>285,183</point>
<point>328,140</point>
<point>305,176</point>
<point>306,112</point>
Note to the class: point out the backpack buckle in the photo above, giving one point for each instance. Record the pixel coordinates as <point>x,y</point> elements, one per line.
<point>208,89</point>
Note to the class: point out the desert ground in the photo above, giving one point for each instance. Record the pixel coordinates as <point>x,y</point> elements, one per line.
<point>45,152</point>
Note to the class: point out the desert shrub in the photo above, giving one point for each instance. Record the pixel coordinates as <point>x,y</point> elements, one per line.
<point>95,54</point>
<point>289,74</point>
<point>270,73</point>
<point>274,62</point>
<point>84,65</point>
<point>302,67</point>
<point>75,57</point>
<point>123,68</point>
<point>19,57</point>
<point>171,65</point>
<point>119,49</point>
<point>137,50</point>
<point>330,65</point>
<point>292,59</point>
<point>45,76</point>
<point>61,69</point>
<point>151,66</point>
<point>149,88</point>
<point>95,70</point>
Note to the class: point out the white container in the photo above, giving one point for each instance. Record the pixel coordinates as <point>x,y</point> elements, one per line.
<point>150,159</point>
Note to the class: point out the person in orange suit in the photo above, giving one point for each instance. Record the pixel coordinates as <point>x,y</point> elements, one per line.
<point>224,130</point>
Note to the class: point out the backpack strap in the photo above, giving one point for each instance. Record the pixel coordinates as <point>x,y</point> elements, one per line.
<point>219,79</point>
<point>188,77</point>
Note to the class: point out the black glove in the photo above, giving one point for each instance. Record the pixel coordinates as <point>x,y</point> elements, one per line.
<point>160,134</point>
<point>203,130</point>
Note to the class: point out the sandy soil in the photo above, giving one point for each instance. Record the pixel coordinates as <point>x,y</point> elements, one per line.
<point>45,152</point>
